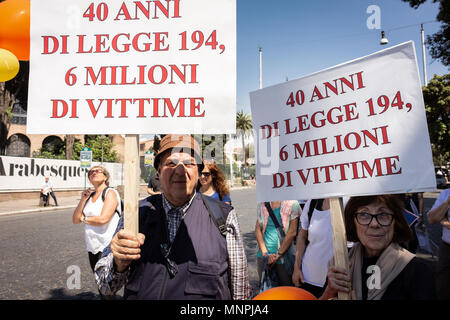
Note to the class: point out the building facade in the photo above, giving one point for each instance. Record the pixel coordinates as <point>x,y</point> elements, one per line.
<point>21,144</point>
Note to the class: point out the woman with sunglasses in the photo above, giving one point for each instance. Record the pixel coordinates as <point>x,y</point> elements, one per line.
<point>97,214</point>
<point>213,184</point>
<point>380,269</point>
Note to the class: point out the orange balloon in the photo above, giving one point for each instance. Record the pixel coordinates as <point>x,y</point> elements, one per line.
<point>285,293</point>
<point>15,27</point>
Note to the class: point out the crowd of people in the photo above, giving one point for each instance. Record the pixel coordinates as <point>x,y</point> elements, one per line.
<point>190,246</point>
<point>380,233</point>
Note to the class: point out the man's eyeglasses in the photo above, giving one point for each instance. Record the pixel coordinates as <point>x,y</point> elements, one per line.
<point>206,174</point>
<point>171,266</point>
<point>383,219</point>
<point>174,162</point>
<point>96,171</point>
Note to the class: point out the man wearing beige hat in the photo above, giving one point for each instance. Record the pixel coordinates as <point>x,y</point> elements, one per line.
<point>179,252</point>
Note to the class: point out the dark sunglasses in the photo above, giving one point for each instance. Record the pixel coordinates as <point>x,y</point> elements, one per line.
<point>95,171</point>
<point>206,174</point>
<point>171,266</point>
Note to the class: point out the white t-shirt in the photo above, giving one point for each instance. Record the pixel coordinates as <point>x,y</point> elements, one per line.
<point>320,248</point>
<point>47,186</point>
<point>440,199</point>
<point>98,237</point>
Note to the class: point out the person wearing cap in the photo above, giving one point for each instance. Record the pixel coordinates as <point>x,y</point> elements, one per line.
<point>179,252</point>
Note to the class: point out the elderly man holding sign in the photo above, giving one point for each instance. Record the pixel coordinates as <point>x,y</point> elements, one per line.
<point>182,250</point>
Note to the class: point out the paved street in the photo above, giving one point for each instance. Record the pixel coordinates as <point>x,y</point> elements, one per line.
<point>39,249</point>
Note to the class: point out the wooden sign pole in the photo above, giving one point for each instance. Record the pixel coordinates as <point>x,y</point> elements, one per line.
<point>131,176</point>
<point>339,239</point>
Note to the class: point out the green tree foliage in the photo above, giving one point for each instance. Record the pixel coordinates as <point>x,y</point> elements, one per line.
<point>438,43</point>
<point>157,142</point>
<point>100,146</point>
<point>45,154</point>
<point>416,3</point>
<point>437,105</point>
<point>56,149</point>
<point>213,144</point>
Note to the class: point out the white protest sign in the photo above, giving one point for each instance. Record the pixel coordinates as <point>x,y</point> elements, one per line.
<point>132,67</point>
<point>358,128</point>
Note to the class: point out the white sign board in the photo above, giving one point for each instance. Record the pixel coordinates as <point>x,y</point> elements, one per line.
<point>358,128</point>
<point>132,67</point>
<point>17,172</point>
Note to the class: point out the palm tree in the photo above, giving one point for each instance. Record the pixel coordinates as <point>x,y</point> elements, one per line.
<point>244,128</point>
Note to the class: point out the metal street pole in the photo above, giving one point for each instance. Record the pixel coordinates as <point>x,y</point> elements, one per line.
<point>425,79</point>
<point>231,164</point>
<point>260,67</point>
<point>103,137</point>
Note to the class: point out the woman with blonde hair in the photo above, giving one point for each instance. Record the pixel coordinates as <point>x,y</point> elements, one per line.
<point>97,210</point>
<point>213,183</point>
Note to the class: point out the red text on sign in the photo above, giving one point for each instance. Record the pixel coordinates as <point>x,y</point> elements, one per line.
<point>318,119</point>
<point>338,87</point>
<point>149,10</point>
<point>190,107</point>
<point>355,170</point>
<point>339,143</point>
<point>156,74</point>
<point>121,42</point>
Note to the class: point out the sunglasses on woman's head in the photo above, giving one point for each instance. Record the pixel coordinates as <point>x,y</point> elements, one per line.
<point>206,174</point>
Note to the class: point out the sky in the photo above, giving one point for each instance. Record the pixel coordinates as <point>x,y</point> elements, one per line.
<point>300,37</point>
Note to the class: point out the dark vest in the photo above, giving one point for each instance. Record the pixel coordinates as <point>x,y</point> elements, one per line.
<point>199,250</point>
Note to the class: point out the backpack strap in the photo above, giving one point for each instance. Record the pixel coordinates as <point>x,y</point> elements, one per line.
<point>274,219</point>
<point>91,195</point>
<point>312,206</point>
<point>315,204</point>
<point>216,213</point>
<point>104,193</point>
<point>121,201</point>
